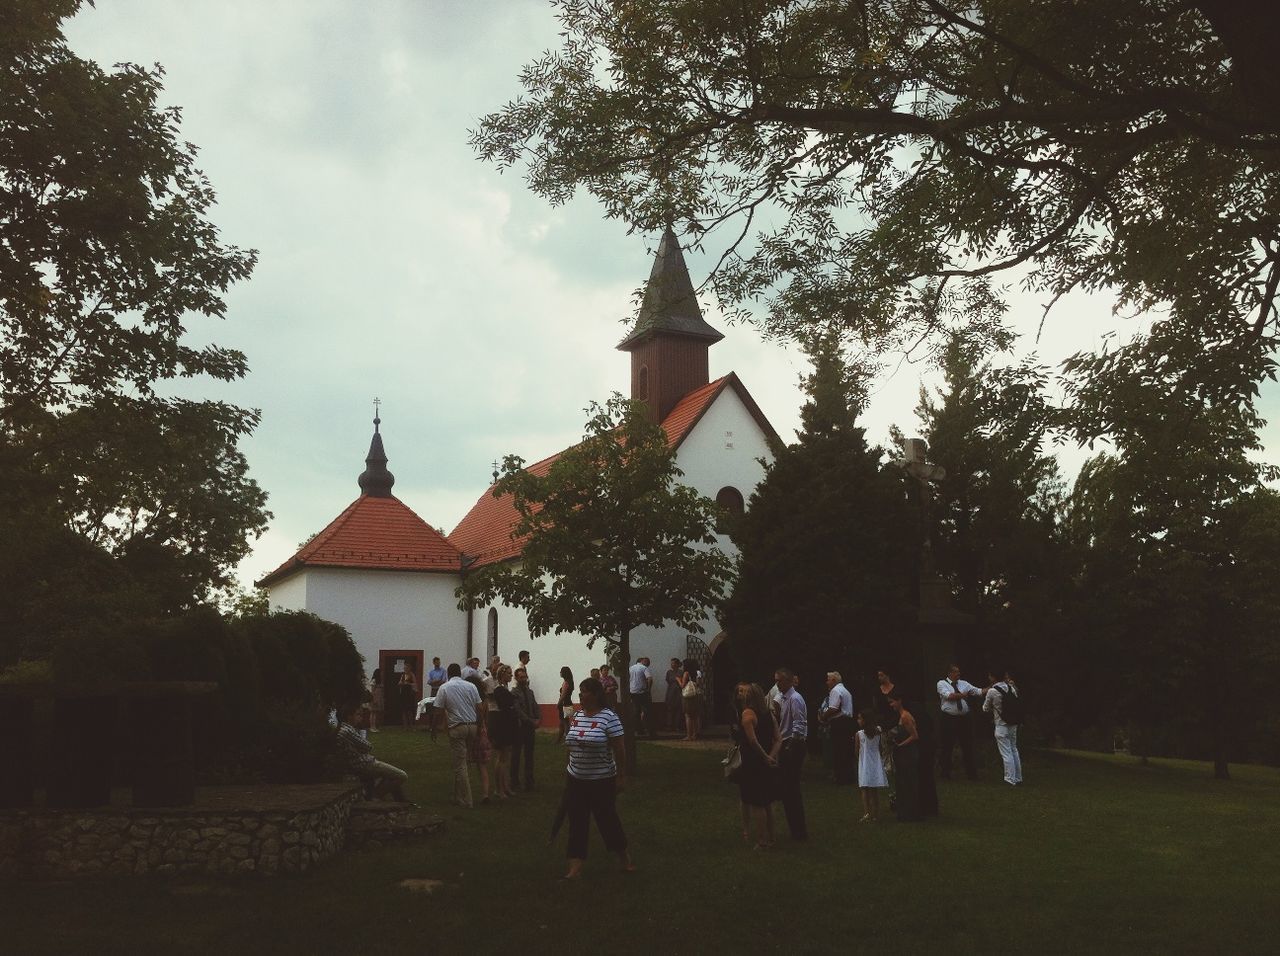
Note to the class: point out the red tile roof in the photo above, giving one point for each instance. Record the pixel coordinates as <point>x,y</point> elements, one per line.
<point>485,533</point>
<point>376,534</point>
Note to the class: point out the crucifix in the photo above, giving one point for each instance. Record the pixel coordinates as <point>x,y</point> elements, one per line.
<point>377,405</point>
<point>924,475</point>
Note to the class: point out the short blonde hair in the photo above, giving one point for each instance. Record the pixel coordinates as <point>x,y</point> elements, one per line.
<point>836,675</point>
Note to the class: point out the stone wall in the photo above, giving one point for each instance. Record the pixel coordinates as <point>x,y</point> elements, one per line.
<point>62,844</point>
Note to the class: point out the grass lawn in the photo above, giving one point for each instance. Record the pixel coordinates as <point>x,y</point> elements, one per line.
<point>1093,854</point>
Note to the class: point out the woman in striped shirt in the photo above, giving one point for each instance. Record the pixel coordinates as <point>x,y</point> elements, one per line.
<point>595,777</point>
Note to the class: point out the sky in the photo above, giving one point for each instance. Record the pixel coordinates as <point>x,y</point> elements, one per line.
<point>394,264</point>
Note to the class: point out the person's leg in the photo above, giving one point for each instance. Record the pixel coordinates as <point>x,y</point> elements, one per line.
<point>388,780</point>
<point>947,730</point>
<point>866,802</point>
<point>966,746</point>
<point>604,807</point>
<point>791,767</point>
<point>578,813</point>
<point>746,821</point>
<point>458,739</point>
<point>875,802</point>
<point>1006,754</point>
<point>1017,756</point>
<point>516,753</point>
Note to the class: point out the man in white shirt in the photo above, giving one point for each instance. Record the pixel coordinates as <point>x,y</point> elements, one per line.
<point>793,728</point>
<point>837,715</point>
<point>460,702</point>
<point>640,684</point>
<point>471,668</point>
<point>1006,733</point>
<point>957,721</point>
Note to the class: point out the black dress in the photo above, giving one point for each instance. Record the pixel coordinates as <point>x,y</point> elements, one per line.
<point>757,781</point>
<point>906,771</point>
<point>502,722</point>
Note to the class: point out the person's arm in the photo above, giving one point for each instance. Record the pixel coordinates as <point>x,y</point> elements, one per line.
<point>912,736</point>
<point>439,704</point>
<point>987,701</point>
<point>619,748</point>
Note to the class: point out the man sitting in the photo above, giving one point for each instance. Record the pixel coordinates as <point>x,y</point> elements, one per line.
<point>380,779</point>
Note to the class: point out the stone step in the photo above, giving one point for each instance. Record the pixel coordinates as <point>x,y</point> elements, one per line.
<point>370,828</point>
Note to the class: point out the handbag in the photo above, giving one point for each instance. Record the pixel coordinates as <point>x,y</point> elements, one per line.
<point>732,764</point>
<point>691,689</point>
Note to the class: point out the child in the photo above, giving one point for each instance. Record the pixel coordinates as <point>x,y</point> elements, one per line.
<point>870,767</point>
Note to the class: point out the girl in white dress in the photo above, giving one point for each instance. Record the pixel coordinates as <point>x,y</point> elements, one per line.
<point>871,775</point>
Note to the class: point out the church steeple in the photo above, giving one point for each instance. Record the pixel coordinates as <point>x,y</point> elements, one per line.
<point>375,481</point>
<point>670,341</point>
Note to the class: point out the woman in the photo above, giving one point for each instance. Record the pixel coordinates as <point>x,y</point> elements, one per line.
<point>408,698</point>
<point>610,685</point>
<point>887,719</point>
<point>691,700</point>
<point>502,729</point>
<point>479,748</point>
<point>672,700</point>
<point>906,760</point>
<point>594,778</point>
<point>565,701</point>
<point>377,699</point>
<point>758,744</point>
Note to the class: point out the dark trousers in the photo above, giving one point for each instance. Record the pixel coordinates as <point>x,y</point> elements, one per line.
<point>790,765</point>
<point>584,799</point>
<point>841,729</point>
<point>643,705</point>
<point>958,730</point>
<point>523,747</point>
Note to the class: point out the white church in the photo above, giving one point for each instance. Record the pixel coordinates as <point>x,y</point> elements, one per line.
<point>389,577</point>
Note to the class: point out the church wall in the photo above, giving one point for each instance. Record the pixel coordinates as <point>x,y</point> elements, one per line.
<point>391,610</point>
<point>291,593</point>
<point>708,461</point>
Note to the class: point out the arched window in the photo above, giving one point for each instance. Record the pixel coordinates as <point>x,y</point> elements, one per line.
<point>492,642</point>
<point>642,384</point>
<point>729,500</point>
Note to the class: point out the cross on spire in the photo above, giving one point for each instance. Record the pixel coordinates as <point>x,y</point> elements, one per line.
<point>377,405</point>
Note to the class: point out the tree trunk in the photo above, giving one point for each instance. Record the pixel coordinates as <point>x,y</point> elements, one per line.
<point>623,665</point>
<point>1218,719</point>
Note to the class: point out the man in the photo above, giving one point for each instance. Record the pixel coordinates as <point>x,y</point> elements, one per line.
<point>1006,733</point>
<point>523,657</point>
<point>528,717</point>
<point>435,680</point>
<point>675,712</point>
<point>793,728</point>
<point>379,778</point>
<point>957,725</point>
<point>837,715</point>
<point>641,686</point>
<point>471,668</point>
<point>459,700</point>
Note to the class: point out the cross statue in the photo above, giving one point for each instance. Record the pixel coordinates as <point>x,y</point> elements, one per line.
<point>915,465</point>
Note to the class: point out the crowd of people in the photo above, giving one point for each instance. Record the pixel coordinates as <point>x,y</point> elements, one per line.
<point>888,746</point>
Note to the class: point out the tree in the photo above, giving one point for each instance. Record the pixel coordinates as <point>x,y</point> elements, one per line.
<point>996,509</point>
<point>106,252</point>
<point>895,157</point>
<point>828,542</point>
<point>1175,527</point>
<point>611,540</point>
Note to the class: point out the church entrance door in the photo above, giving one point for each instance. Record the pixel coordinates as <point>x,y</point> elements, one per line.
<point>401,701</point>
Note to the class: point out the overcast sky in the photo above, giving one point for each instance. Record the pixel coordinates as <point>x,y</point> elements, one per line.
<point>393,263</point>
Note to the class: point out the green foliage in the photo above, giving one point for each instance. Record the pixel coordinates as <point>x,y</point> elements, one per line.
<point>995,512</point>
<point>612,540</point>
<point>828,546</point>
<point>119,502</point>
<point>885,162</point>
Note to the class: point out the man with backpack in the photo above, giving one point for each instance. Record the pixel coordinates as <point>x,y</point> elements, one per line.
<point>1005,707</point>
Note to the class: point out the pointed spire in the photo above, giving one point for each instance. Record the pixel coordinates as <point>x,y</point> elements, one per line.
<point>670,304</point>
<point>375,481</point>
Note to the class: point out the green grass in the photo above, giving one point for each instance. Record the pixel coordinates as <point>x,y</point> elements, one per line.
<point>1093,854</point>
